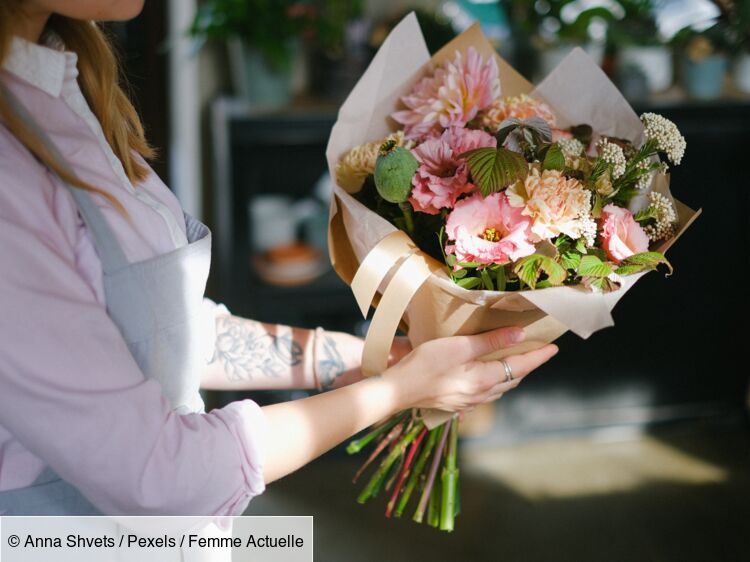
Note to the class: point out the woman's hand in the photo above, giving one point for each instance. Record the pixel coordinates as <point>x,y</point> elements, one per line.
<point>447,374</point>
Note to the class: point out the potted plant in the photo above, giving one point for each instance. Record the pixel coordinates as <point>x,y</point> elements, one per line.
<point>338,51</point>
<point>739,20</point>
<point>635,38</point>
<point>705,56</point>
<point>556,28</point>
<point>261,37</point>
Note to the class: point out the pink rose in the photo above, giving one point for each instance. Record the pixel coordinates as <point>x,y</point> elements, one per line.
<point>488,230</point>
<point>621,235</point>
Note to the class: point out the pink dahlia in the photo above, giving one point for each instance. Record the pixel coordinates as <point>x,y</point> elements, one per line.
<point>442,176</point>
<point>452,96</point>
<point>488,230</point>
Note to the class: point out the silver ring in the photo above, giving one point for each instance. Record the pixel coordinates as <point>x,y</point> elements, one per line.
<point>508,370</point>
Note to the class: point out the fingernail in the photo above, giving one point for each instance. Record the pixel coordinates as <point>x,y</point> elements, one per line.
<point>555,350</point>
<point>518,336</point>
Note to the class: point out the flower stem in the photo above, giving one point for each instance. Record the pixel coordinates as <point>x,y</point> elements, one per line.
<point>406,210</point>
<point>405,471</point>
<point>392,435</point>
<point>376,481</point>
<point>449,478</point>
<point>419,513</point>
<point>424,454</point>
<point>358,444</point>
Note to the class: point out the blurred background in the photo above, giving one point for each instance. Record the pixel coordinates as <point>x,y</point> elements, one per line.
<point>633,445</point>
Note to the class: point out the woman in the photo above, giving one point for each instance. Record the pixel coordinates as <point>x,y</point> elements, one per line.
<point>106,338</point>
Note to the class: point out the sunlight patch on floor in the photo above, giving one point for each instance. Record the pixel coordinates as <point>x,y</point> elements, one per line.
<point>603,463</point>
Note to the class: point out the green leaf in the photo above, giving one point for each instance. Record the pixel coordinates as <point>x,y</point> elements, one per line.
<point>469,264</point>
<point>458,274</point>
<point>469,282</point>
<point>554,158</point>
<point>493,169</point>
<point>628,269</point>
<point>596,208</point>
<point>451,260</point>
<point>530,268</point>
<point>603,284</point>
<point>647,261</point>
<point>645,214</point>
<point>487,280</point>
<point>500,279</point>
<point>570,260</point>
<point>592,266</point>
<point>581,246</point>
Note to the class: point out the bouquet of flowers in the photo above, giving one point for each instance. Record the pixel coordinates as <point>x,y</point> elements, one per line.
<point>466,200</point>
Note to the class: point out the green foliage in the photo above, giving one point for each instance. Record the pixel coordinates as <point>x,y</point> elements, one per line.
<point>530,269</point>
<point>469,282</point>
<point>645,215</point>
<point>554,158</point>
<point>494,169</point>
<point>645,261</point>
<point>592,266</point>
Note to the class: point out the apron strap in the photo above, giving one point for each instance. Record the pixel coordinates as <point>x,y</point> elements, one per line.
<point>107,246</point>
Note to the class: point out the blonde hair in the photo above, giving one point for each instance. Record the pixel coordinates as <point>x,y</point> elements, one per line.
<point>99,77</point>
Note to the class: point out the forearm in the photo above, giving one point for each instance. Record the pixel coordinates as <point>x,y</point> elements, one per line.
<point>301,430</point>
<point>251,355</point>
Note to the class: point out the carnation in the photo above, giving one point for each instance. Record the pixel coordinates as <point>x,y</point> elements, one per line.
<point>665,134</point>
<point>352,170</point>
<point>519,107</point>
<point>442,175</point>
<point>554,203</point>
<point>488,230</point>
<point>452,96</point>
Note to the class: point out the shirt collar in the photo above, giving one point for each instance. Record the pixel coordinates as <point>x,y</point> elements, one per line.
<point>41,66</point>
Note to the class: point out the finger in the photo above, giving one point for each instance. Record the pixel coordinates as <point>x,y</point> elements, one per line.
<point>521,365</point>
<point>465,348</point>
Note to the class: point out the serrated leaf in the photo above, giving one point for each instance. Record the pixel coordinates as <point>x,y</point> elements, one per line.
<point>592,266</point>
<point>554,159</point>
<point>647,261</point>
<point>493,169</point>
<point>570,260</point>
<point>603,284</point>
<point>506,128</point>
<point>469,282</point>
<point>530,268</point>
<point>628,269</point>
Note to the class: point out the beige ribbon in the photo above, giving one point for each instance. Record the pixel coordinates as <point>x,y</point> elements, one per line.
<point>412,268</point>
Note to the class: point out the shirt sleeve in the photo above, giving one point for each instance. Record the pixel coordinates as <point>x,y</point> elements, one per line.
<point>72,394</point>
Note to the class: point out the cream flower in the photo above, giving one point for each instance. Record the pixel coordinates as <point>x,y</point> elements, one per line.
<point>359,162</point>
<point>556,205</point>
<point>520,107</point>
<point>613,155</point>
<point>666,135</point>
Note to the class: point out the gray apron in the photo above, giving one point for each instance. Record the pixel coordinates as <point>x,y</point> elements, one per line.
<point>155,303</point>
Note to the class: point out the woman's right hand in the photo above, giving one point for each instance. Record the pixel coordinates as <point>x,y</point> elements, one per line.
<point>447,374</point>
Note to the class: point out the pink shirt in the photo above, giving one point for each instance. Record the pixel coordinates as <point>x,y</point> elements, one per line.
<point>71,394</point>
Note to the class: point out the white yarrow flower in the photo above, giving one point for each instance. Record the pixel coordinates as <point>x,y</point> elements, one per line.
<point>666,218</point>
<point>571,148</point>
<point>614,156</point>
<point>666,135</point>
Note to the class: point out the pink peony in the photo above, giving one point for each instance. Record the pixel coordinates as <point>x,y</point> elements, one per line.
<point>488,230</point>
<point>621,235</point>
<point>442,176</point>
<point>452,96</point>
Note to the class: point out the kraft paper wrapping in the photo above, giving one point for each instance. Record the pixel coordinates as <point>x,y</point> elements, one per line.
<point>578,92</point>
